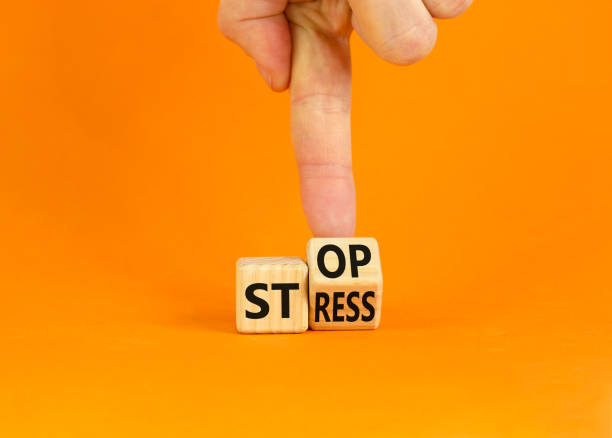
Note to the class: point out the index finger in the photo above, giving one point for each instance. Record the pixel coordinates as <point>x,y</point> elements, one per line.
<point>320,121</point>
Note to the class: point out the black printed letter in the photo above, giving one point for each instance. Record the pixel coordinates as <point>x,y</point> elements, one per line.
<point>337,306</point>
<point>321,307</point>
<point>367,256</point>
<point>368,306</point>
<point>263,304</point>
<point>321,261</point>
<point>285,288</point>
<point>353,306</point>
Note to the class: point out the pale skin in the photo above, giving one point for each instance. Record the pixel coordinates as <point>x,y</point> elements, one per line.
<point>303,45</point>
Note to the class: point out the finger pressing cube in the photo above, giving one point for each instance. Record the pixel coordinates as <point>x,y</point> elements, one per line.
<point>271,295</point>
<point>345,283</point>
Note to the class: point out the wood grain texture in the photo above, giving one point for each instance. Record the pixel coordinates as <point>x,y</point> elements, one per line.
<point>348,298</point>
<point>268,272</point>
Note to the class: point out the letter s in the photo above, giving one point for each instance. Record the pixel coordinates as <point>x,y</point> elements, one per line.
<point>263,304</point>
<point>368,306</point>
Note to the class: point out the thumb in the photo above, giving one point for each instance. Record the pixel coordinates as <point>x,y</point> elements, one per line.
<point>320,117</point>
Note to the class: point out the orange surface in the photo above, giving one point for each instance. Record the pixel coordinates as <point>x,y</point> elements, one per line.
<point>142,155</point>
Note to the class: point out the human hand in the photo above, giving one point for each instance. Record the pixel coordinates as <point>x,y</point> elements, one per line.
<point>304,45</point>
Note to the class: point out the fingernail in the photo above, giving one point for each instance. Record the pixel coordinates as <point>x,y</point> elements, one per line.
<point>264,74</point>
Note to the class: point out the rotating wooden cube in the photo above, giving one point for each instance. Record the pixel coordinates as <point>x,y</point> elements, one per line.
<point>345,283</point>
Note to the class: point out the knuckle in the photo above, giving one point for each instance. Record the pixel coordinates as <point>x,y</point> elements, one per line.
<point>326,170</point>
<point>410,44</point>
<point>322,103</point>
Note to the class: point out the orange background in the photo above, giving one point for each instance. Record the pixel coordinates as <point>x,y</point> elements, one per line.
<point>141,155</point>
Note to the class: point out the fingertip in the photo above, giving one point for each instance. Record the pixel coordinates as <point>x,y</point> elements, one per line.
<point>279,85</point>
<point>330,230</point>
<point>334,223</point>
<point>447,8</point>
<point>265,74</point>
<point>329,205</point>
<point>276,82</point>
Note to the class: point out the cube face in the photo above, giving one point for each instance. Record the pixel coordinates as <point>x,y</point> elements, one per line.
<point>345,283</point>
<point>271,295</point>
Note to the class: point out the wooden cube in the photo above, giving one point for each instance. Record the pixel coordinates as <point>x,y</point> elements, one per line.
<point>271,295</point>
<point>345,283</point>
